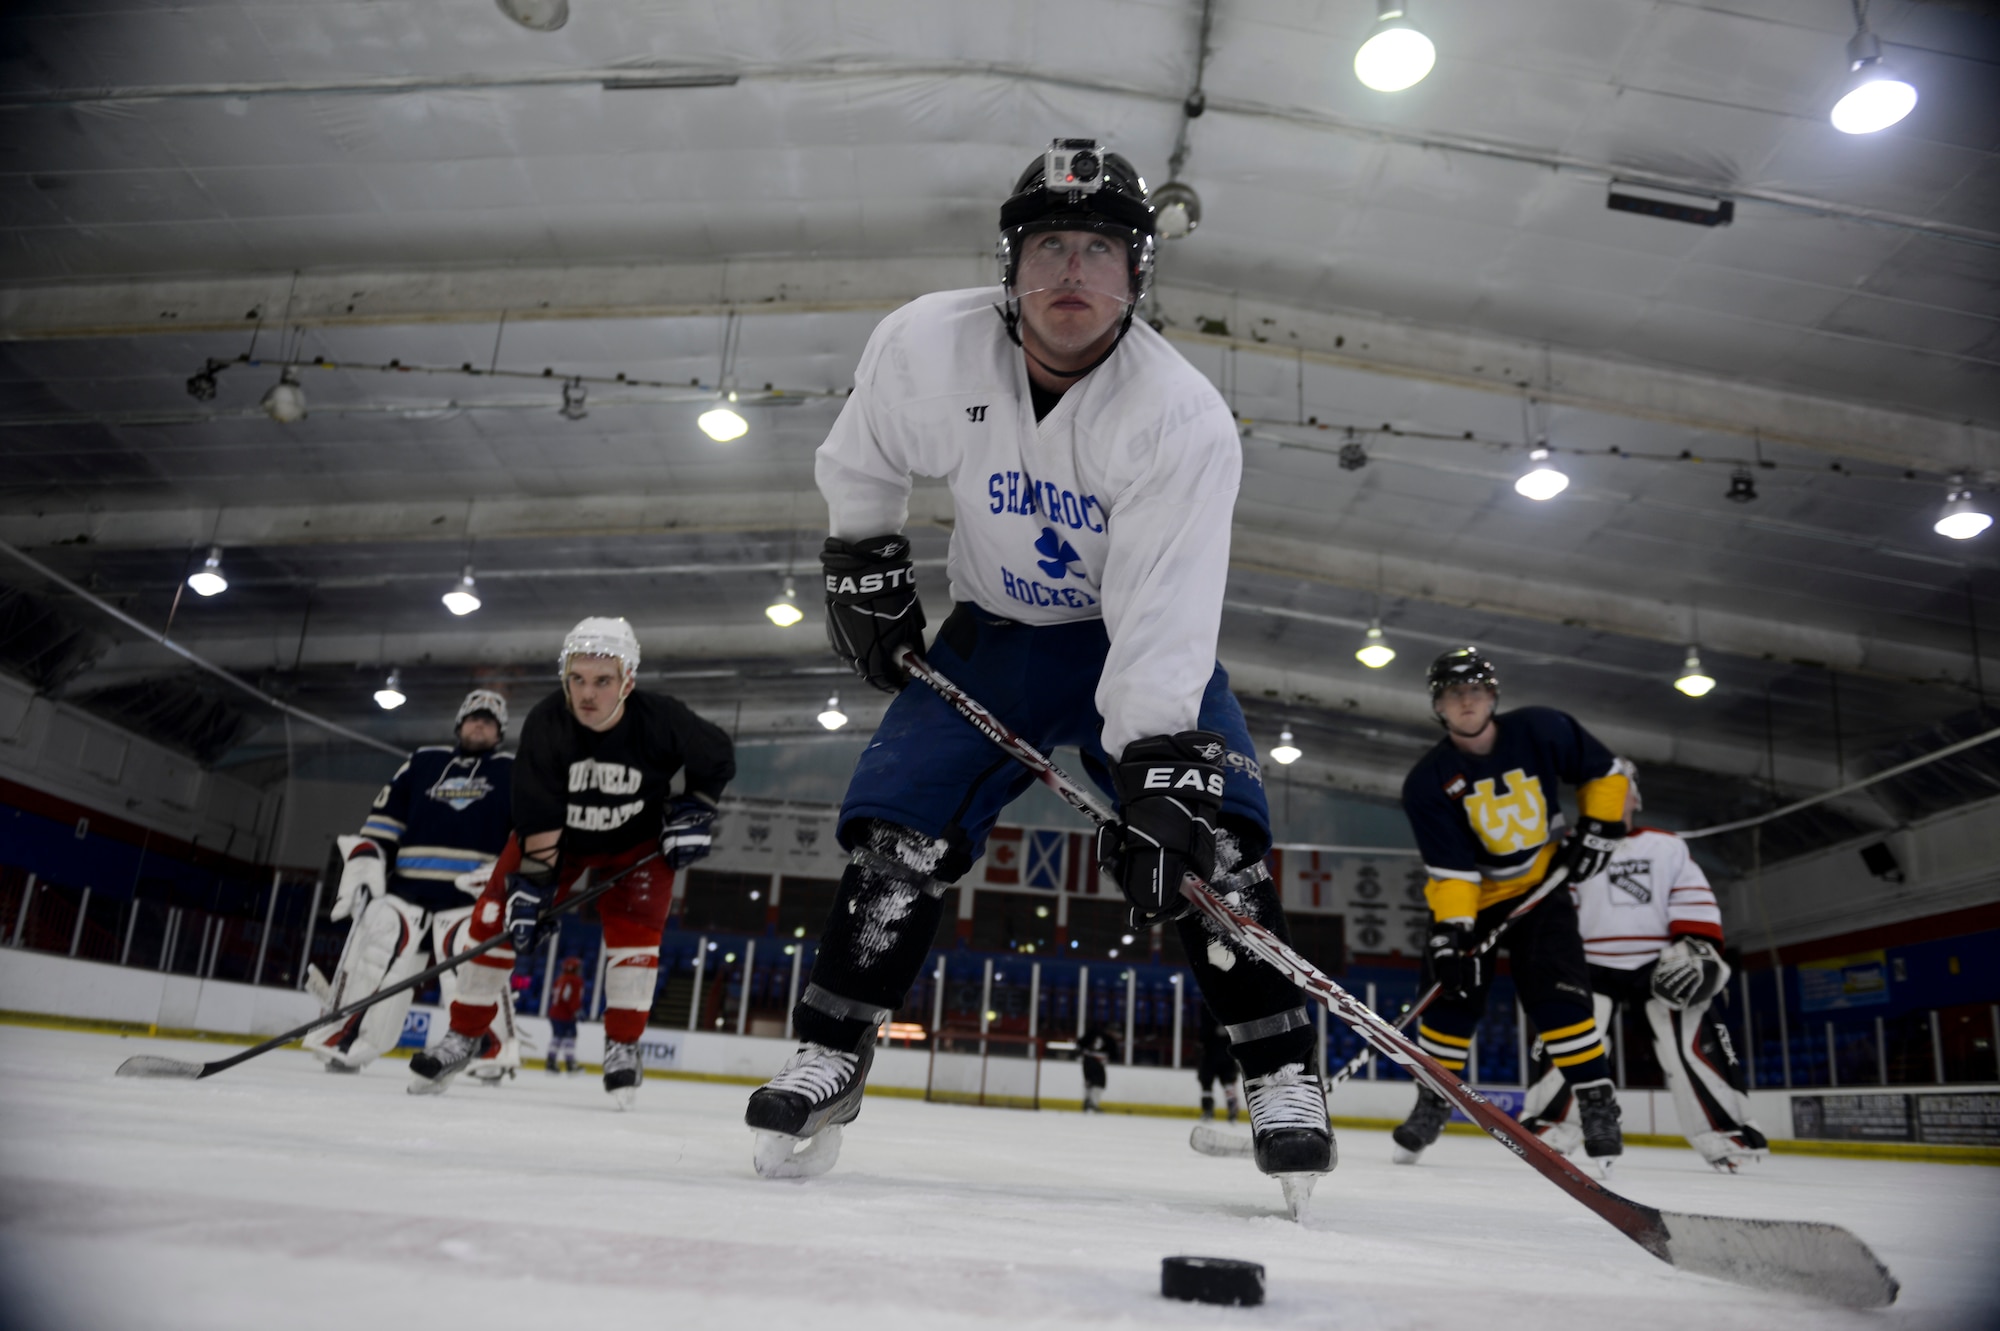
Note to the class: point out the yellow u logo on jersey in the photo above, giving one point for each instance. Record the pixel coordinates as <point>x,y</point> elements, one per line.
<point>1514,821</point>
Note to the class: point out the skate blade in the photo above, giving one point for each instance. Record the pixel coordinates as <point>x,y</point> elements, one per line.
<point>778,1156</point>
<point>1298,1192</point>
<point>624,1096</point>
<point>425,1086</point>
<point>1401,1156</point>
<point>1604,1164</point>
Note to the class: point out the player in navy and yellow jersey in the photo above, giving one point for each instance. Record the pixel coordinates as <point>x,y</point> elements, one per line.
<point>1486,808</point>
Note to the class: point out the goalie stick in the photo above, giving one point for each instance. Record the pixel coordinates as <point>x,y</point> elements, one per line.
<point>152,1065</point>
<point>1556,878</point>
<point>1797,1256</point>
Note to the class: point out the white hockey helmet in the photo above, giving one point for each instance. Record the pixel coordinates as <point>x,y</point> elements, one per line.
<point>599,636</point>
<point>483,700</point>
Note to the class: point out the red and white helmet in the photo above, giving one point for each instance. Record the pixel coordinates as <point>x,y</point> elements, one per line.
<point>599,636</point>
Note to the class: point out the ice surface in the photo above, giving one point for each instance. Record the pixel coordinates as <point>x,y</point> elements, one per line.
<point>274,1195</point>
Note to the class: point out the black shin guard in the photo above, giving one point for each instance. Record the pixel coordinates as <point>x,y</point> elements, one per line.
<point>1268,1026</point>
<point>884,921</point>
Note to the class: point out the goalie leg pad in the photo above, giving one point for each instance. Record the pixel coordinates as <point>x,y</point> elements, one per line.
<point>386,947</point>
<point>1705,1079</point>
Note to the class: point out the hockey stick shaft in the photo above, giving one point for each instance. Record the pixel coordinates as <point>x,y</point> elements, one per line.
<point>1819,1260</point>
<point>1555,879</point>
<point>147,1065</point>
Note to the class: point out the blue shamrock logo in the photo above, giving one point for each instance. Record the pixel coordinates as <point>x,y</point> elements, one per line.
<point>1061,554</point>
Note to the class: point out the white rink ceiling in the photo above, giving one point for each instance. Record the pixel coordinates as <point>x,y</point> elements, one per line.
<point>430,184</point>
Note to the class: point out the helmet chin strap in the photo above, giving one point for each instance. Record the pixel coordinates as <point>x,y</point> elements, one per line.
<point>1010,314</point>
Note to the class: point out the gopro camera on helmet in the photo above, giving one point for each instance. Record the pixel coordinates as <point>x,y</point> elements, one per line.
<point>1075,165</point>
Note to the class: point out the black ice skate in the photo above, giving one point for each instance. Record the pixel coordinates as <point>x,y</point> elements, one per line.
<point>431,1070</point>
<point>1289,1132</point>
<point>798,1114</point>
<point>1597,1110</point>
<point>623,1069</point>
<point>1415,1134</point>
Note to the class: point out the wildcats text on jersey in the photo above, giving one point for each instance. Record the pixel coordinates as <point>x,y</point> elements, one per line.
<point>610,778</point>
<point>595,818</point>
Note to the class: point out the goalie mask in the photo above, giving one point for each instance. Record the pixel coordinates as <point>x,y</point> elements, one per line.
<point>483,700</point>
<point>1078,220</point>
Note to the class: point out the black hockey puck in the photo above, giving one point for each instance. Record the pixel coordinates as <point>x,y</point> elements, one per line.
<point>1212,1280</point>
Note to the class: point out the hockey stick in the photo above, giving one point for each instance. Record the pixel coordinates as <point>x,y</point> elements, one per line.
<point>1798,1256</point>
<point>1555,879</point>
<point>152,1065</point>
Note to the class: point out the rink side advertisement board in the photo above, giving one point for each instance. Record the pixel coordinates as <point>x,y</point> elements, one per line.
<point>1937,1118</point>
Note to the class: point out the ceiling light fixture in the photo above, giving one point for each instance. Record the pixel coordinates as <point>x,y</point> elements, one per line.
<point>1396,56</point>
<point>1873,97</point>
<point>1286,753</point>
<point>538,15</point>
<point>1375,651</point>
<point>833,718</point>
<point>1963,517</point>
<point>785,612</point>
<point>286,400</point>
<point>1176,209</point>
<point>1742,486</point>
<point>390,696</point>
<point>208,580</point>
<point>463,599</point>
<point>573,392</point>
<point>722,425</point>
<point>1542,481</point>
<point>1693,680</point>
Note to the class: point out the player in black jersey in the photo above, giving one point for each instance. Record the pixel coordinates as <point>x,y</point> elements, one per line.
<point>593,790</point>
<point>1486,808</point>
<point>442,820</point>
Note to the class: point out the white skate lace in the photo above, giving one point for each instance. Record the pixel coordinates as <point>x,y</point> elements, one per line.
<point>1287,1098</point>
<point>816,1072</point>
<point>620,1057</point>
<point>454,1048</point>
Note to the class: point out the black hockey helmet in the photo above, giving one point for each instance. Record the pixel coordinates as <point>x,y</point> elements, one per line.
<point>1461,665</point>
<point>1100,191</point>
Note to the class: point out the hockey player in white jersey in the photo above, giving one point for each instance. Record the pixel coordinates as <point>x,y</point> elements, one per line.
<point>409,878</point>
<point>1094,475</point>
<point>1652,933</point>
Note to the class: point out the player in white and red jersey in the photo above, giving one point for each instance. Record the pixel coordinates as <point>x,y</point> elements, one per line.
<point>1652,933</point>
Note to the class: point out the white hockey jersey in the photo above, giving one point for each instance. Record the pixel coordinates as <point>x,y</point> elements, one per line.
<point>1651,893</point>
<point>1117,505</point>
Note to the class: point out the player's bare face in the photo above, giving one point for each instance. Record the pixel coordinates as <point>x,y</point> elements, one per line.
<point>1466,710</point>
<point>478,734</point>
<point>596,689</point>
<point>1073,287</point>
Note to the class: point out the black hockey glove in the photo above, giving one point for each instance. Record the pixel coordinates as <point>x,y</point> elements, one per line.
<point>685,836</point>
<point>1589,848</point>
<point>872,610</point>
<point>1169,793</point>
<point>528,888</point>
<point>1454,966</point>
<point>1689,971</point>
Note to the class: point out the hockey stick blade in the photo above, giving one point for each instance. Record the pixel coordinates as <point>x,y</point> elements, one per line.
<point>1801,1257</point>
<point>152,1065</point>
<point>1211,1140</point>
